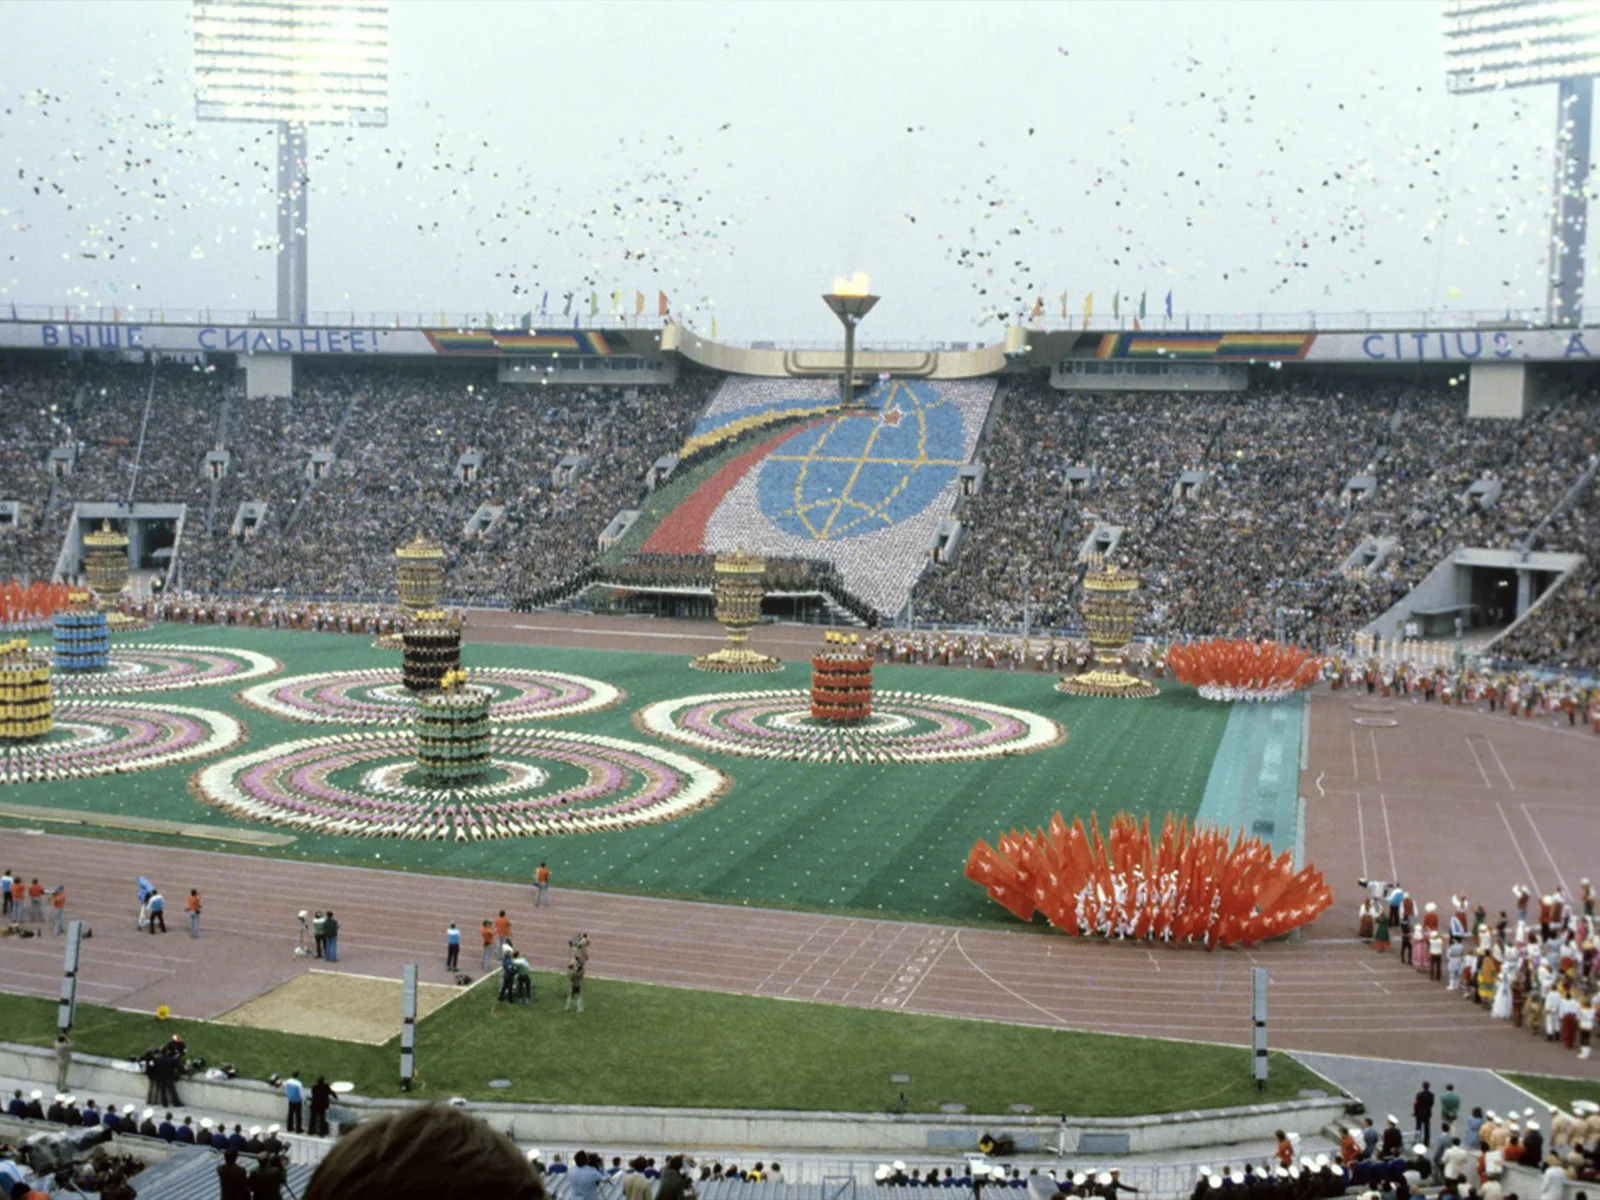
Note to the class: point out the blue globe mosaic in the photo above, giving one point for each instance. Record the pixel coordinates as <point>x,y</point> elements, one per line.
<point>864,471</point>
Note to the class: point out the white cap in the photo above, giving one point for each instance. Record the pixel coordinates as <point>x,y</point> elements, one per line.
<point>255,1131</point>
<point>1079,1179</point>
<point>899,1165</point>
<point>36,1094</point>
<point>1214,1180</point>
<point>69,1098</point>
<point>1322,1161</point>
<point>1103,1178</point>
<point>207,1123</point>
<point>1531,1125</point>
<point>1204,1172</point>
<point>1392,1119</point>
<point>59,1098</point>
<point>274,1128</point>
<point>882,1172</point>
<point>1420,1150</point>
<point>147,1114</point>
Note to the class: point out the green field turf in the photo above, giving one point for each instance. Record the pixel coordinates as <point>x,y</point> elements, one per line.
<point>658,1046</point>
<point>1556,1089</point>
<point>884,840</point>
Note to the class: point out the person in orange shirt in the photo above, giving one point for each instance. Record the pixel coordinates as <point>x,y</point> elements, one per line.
<point>502,930</point>
<point>541,886</point>
<point>36,902</point>
<point>19,897</point>
<point>488,943</point>
<point>1349,1148</point>
<point>192,906</point>
<point>58,906</point>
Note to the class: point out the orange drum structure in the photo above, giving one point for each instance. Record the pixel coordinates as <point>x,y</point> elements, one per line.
<point>841,681</point>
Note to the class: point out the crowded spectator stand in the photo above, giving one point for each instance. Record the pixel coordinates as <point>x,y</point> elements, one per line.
<point>1108,616</point>
<point>740,584</point>
<point>841,681</point>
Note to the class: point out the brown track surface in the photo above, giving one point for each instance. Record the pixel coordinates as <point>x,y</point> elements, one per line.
<point>1329,993</point>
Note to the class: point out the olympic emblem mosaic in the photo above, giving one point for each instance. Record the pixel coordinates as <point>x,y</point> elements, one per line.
<point>148,667</point>
<point>906,727</point>
<point>106,737</point>
<point>540,782</point>
<point>378,697</point>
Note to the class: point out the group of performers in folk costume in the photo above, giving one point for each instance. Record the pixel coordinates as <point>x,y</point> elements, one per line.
<point>1228,669</point>
<point>1192,884</point>
<point>1540,971</point>
<point>1523,695</point>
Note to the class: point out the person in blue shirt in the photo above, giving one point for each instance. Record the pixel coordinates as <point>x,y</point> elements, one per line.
<point>452,947</point>
<point>583,1181</point>
<point>295,1093</point>
<point>110,1120</point>
<point>186,1131</point>
<point>167,1131</point>
<point>18,1106</point>
<point>158,911</point>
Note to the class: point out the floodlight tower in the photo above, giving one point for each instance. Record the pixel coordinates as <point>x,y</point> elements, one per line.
<point>850,302</point>
<point>293,63</point>
<point>1496,44</point>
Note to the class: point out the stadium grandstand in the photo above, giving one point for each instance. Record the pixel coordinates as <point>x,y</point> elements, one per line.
<point>1309,495</point>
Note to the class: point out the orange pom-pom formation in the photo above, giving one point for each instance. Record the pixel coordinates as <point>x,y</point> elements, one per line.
<point>1193,885</point>
<point>841,682</point>
<point>1223,669</point>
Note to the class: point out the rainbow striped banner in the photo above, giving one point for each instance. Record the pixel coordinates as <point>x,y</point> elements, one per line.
<point>585,342</point>
<point>1211,347</point>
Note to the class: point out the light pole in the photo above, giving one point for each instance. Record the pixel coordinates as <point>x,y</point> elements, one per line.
<point>292,64</point>
<point>850,302</point>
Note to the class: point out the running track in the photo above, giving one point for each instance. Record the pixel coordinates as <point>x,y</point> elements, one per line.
<point>1329,993</point>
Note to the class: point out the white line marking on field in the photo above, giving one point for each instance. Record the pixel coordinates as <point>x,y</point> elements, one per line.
<point>1394,867</point>
<point>1526,865</point>
<point>1500,764</point>
<point>1361,833</point>
<point>1377,771</point>
<point>1479,761</point>
<point>1559,878</point>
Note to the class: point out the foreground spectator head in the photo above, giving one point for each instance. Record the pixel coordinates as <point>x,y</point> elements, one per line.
<point>423,1153</point>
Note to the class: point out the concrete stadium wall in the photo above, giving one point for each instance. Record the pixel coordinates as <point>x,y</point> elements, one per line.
<point>712,1129</point>
<point>781,364</point>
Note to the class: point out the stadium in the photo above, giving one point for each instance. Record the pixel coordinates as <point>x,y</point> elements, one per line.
<point>1121,737</point>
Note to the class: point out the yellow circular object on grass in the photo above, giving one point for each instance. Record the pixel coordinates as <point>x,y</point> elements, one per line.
<point>163,1013</point>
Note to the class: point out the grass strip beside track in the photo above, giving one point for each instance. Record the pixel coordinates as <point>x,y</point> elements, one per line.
<point>1558,1090</point>
<point>657,1046</point>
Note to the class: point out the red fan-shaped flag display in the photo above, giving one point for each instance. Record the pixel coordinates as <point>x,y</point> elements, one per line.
<point>25,604</point>
<point>1193,884</point>
<point>1224,669</point>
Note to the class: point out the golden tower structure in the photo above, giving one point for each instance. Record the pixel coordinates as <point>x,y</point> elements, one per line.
<point>1108,615</point>
<point>739,584</point>
<point>105,564</point>
<point>419,579</point>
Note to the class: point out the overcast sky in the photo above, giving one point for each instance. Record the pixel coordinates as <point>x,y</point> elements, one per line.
<point>1250,157</point>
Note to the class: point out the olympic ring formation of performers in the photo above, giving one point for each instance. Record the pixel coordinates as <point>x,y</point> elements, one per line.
<point>1192,885</point>
<point>25,702</point>
<point>841,681</point>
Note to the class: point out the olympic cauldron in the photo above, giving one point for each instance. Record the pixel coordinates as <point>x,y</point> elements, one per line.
<point>739,585</point>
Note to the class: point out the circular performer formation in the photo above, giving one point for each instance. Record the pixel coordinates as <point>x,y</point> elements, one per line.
<point>903,727</point>
<point>538,782</point>
<point>104,737</point>
<point>379,697</point>
<point>150,667</point>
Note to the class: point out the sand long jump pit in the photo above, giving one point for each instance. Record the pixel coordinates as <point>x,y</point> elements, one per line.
<point>351,1008</point>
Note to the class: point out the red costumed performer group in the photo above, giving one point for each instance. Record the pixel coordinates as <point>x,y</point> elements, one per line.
<point>1236,670</point>
<point>1192,884</point>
